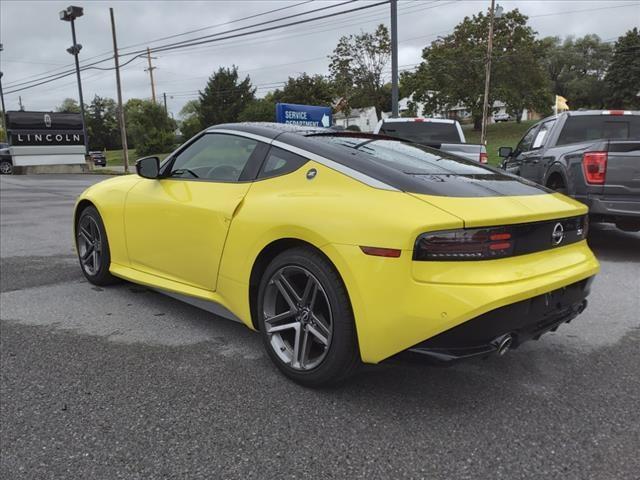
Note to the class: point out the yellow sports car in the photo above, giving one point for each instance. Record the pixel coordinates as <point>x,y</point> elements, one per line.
<point>342,247</point>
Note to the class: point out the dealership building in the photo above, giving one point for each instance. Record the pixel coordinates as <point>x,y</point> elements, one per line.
<point>46,142</point>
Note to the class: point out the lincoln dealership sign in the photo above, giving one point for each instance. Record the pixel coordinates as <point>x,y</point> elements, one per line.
<point>44,129</point>
<point>46,142</point>
<point>46,138</point>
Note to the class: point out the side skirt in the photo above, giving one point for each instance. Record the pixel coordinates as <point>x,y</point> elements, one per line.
<point>204,299</point>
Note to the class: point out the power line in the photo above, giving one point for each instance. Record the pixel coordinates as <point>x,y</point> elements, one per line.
<point>216,25</point>
<point>268,29</point>
<point>213,35</point>
<point>47,79</point>
<point>608,7</point>
<point>162,38</point>
<point>370,17</point>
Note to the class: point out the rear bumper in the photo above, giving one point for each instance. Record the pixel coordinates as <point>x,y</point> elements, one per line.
<point>612,206</point>
<point>399,303</point>
<point>507,327</point>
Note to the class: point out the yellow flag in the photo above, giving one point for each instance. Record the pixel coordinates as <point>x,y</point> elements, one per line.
<point>561,104</point>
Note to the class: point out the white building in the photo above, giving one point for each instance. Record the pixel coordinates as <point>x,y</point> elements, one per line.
<point>364,118</point>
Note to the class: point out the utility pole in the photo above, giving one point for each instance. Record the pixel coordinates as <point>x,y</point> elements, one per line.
<point>4,117</point>
<point>20,103</point>
<point>150,69</point>
<point>394,58</point>
<point>487,74</point>
<point>123,129</point>
<point>164,96</point>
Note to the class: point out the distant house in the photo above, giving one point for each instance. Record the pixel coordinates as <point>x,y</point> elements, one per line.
<point>364,118</point>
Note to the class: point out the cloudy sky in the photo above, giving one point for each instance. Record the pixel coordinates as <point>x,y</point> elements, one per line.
<point>35,40</point>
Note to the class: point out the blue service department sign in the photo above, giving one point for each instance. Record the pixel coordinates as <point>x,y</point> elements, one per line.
<point>307,115</point>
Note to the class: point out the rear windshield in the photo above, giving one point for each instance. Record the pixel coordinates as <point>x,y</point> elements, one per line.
<point>409,157</point>
<point>584,128</point>
<point>422,132</point>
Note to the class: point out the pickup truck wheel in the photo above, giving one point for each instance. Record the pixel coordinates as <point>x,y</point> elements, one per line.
<point>556,183</point>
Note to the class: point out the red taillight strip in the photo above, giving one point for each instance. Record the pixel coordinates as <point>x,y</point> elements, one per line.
<point>499,236</point>
<point>381,252</point>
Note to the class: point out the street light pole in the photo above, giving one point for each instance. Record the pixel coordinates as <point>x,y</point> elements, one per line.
<point>394,59</point>
<point>69,15</point>
<point>487,75</point>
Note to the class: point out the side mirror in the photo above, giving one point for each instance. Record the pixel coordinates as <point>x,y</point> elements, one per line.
<point>148,167</point>
<point>504,152</point>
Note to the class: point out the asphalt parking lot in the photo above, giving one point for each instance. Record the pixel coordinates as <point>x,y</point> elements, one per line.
<point>128,383</point>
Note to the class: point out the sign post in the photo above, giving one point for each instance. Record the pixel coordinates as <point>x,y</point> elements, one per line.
<point>305,115</point>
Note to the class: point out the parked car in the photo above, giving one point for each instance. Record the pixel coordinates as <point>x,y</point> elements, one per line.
<point>438,133</point>
<point>98,158</point>
<point>6,162</point>
<point>342,247</point>
<point>592,156</point>
<point>502,117</point>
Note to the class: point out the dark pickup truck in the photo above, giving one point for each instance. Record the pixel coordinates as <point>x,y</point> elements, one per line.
<point>592,156</point>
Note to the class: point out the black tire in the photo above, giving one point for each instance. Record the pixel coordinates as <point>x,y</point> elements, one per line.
<point>341,357</point>
<point>6,167</point>
<point>556,183</point>
<point>95,269</point>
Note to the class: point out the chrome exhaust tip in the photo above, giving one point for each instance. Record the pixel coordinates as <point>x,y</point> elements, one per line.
<point>505,344</point>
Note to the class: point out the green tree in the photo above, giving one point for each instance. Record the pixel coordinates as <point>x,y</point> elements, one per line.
<point>102,124</point>
<point>68,105</point>
<point>357,68</point>
<point>149,128</point>
<point>576,68</point>
<point>260,110</point>
<point>225,97</point>
<point>190,123</point>
<point>307,90</point>
<point>623,77</point>
<point>453,68</point>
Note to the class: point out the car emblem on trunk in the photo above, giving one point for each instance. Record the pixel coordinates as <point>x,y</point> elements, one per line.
<point>558,234</point>
<point>47,120</point>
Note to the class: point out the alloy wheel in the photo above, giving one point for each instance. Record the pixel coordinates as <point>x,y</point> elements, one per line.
<point>6,168</point>
<point>89,245</point>
<point>297,317</point>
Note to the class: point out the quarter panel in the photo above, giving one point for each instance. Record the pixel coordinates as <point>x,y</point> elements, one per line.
<point>330,208</point>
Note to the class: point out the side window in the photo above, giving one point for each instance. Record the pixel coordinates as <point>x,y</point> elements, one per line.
<point>214,156</point>
<point>542,134</point>
<point>527,140</point>
<point>280,162</point>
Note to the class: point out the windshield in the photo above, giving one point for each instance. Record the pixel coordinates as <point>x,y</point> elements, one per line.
<point>410,158</point>
<point>422,132</point>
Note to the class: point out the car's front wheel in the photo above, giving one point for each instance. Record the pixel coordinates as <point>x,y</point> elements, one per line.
<point>93,248</point>
<point>306,320</point>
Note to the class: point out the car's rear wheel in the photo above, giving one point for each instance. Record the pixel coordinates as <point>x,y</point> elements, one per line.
<point>306,320</point>
<point>6,167</point>
<point>93,248</point>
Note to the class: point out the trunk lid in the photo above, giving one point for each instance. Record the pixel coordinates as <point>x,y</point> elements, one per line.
<point>506,210</point>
